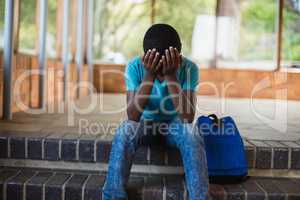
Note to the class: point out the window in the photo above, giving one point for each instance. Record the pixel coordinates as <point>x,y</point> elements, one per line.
<point>119,29</point>
<point>247,34</point>
<point>2,8</point>
<point>120,25</point>
<point>51,28</point>
<point>194,21</point>
<point>28,27</point>
<point>28,30</point>
<point>232,34</point>
<point>291,34</point>
<point>28,33</point>
<point>223,33</point>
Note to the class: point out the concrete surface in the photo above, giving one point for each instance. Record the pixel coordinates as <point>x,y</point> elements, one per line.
<point>256,119</point>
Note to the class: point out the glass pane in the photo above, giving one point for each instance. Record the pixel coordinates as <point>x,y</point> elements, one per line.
<point>27,37</point>
<point>247,34</point>
<point>194,21</point>
<point>291,34</point>
<point>51,28</point>
<point>119,28</point>
<point>2,8</point>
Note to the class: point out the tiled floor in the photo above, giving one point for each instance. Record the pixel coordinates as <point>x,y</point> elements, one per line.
<point>32,184</point>
<point>257,119</point>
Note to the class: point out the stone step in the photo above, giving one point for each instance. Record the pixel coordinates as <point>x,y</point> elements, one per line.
<point>55,147</point>
<point>32,184</point>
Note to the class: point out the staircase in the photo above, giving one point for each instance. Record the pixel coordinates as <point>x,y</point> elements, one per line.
<point>74,151</point>
<point>66,166</point>
<point>33,184</point>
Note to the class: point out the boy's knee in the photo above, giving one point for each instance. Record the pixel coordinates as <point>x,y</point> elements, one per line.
<point>179,122</point>
<point>178,126</point>
<point>189,134</point>
<point>191,142</point>
<point>126,130</point>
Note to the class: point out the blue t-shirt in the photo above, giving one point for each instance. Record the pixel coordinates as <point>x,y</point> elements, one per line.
<point>160,106</point>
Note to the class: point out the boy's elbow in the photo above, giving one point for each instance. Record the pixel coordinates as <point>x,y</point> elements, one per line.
<point>187,118</point>
<point>133,116</point>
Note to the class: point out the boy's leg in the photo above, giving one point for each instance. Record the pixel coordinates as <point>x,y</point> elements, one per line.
<point>122,153</point>
<point>190,143</point>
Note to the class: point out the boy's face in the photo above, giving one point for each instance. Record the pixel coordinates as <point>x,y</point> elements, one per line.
<point>167,61</point>
<point>161,50</point>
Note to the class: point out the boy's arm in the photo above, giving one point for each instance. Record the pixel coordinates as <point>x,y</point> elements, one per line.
<point>184,101</point>
<point>137,100</point>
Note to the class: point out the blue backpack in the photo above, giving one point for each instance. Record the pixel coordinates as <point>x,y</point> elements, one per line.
<point>224,148</point>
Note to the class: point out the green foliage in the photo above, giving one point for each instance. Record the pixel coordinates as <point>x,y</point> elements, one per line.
<point>259,21</point>
<point>28,32</point>
<point>258,30</point>
<point>259,16</point>
<point>51,28</point>
<point>291,35</point>
<point>182,16</point>
<point>123,23</point>
<point>2,7</point>
<point>27,24</point>
<point>119,27</point>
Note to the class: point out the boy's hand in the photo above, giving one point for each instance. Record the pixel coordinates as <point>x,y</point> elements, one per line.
<point>171,62</point>
<point>151,62</point>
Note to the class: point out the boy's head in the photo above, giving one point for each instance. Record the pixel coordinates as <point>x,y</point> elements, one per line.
<point>161,37</point>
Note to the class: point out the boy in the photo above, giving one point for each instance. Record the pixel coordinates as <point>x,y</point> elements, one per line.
<point>161,88</point>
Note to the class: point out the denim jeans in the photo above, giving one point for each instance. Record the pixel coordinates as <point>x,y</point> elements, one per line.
<point>181,135</point>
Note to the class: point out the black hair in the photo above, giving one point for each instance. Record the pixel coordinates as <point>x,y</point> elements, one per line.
<point>161,37</point>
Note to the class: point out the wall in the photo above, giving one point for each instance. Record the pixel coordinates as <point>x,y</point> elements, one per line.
<point>220,82</point>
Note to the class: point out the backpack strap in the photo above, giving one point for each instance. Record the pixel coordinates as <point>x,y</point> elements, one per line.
<point>215,119</point>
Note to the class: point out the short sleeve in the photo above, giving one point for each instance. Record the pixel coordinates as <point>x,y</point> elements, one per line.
<point>131,77</point>
<point>191,80</point>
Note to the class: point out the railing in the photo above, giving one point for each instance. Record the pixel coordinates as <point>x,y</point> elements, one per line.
<point>12,15</point>
<point>25,82</point>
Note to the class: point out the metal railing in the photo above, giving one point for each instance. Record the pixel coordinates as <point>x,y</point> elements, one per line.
<point>83,7</point>
<point>8,55</point>
<point>43,5</point>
